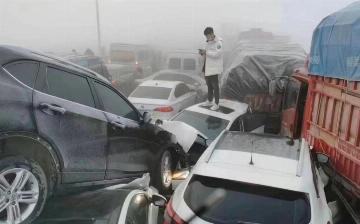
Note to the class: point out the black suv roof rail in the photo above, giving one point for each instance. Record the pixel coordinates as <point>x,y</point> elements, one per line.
<point>89,72</point>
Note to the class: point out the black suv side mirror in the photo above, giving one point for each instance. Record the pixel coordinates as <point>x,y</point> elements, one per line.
<point>147,117</point>
<point>158,200</point>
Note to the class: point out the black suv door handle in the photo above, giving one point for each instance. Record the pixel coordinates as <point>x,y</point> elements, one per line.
<point>49,109</point>
<point>117,125</point>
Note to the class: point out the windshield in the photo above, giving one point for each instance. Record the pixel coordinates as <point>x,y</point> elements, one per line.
<point>206,124</point>
<point>149,92</point>
<point>122,56</point>
<point>248,202</point>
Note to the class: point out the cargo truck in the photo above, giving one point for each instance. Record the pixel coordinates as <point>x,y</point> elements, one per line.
<point>321,102</point>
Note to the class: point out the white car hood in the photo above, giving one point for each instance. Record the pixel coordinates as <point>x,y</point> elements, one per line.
<point>185,134</point>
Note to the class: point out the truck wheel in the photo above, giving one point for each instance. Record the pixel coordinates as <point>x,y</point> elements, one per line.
<point>23,190</point>
<point>164,173</point>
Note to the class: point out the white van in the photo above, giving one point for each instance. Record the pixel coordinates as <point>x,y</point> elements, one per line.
<point>184,61</point>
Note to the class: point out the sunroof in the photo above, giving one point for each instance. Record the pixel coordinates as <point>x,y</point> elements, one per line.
<point>224,110</point>
<point>259,143</point>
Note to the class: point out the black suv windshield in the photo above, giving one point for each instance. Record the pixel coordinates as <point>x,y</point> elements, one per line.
<point>248,203</point>
<point>210,126</point>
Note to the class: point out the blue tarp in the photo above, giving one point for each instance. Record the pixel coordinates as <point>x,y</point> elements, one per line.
<point>335,47</point>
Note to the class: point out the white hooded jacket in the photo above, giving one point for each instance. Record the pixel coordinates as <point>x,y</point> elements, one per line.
<point>214,57</point>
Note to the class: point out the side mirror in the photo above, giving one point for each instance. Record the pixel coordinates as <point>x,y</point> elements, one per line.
<point>158,122</point>
<point>147,117</point>
<point>208,141</point>
<point>272,88</point>
<point>322,157</point>
<point>158,200</point>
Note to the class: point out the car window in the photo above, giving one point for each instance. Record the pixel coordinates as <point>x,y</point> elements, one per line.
<point>137,212</point>
<point>248,203</point>
<point>94,61</point>
<point>68,86</point>
<point>149,92</point>
<point>25,72</point>
<point>210,126</point>
<point>236,125</point>
<point>186,79</point>
<point>189,64</point>
<point>165,77</point>
<point>175,63</point>
<point>83,63</point>
<point>115,104</point>
<point>181,89</point>
<point>291,95</point>
<point>176,77</point>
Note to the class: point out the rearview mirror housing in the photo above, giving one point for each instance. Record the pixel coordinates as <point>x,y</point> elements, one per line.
<point>147,117</point>
<point>322,157</point>
<point>158,200</point>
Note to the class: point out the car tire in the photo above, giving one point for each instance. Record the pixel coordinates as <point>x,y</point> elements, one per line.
<point>164,173</point>
<point>24,190</point>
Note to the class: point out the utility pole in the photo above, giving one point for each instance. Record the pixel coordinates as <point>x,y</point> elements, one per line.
<point>98,27</point>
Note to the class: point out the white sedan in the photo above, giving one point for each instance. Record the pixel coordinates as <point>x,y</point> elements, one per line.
<point>163,99</point>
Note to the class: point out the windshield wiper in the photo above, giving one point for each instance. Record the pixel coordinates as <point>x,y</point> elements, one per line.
<point>242,222</point>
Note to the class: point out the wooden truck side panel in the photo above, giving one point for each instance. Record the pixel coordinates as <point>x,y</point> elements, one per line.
<point>332,125</point>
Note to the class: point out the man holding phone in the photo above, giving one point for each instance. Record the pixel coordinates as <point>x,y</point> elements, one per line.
<point>213,66</point>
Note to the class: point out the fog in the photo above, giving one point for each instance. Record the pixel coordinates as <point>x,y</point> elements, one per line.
<point>63,25</point>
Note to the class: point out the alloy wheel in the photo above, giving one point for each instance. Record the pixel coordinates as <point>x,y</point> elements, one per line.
<point>19,191</point>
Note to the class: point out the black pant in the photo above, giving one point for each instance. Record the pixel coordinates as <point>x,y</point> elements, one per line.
<point>213,87</point>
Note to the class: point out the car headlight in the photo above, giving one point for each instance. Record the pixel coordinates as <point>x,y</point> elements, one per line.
<point>180,175</point>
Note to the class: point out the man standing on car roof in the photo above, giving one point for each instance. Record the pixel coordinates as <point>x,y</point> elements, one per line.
<point>213,66</point>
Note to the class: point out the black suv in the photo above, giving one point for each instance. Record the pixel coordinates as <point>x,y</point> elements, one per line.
<point>63,126</point>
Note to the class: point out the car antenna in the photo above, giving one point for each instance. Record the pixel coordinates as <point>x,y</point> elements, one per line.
<point>252,147</point>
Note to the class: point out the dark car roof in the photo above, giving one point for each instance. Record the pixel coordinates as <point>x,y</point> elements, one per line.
<point>11,53</point>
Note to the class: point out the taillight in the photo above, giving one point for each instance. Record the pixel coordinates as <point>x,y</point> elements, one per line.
<point>170,216</point>
<point>164,109</point>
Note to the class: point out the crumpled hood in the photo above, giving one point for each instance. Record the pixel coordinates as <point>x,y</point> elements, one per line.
<point>185,134</point>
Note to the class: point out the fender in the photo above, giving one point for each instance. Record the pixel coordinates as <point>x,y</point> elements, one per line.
<point>37,138</point>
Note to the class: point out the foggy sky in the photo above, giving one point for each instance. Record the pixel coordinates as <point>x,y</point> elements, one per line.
<point>63,25</point>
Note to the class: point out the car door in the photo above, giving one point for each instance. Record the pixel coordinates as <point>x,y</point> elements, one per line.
<point>289,112</point>
<point>66,115</point>
<point>131,145</point>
